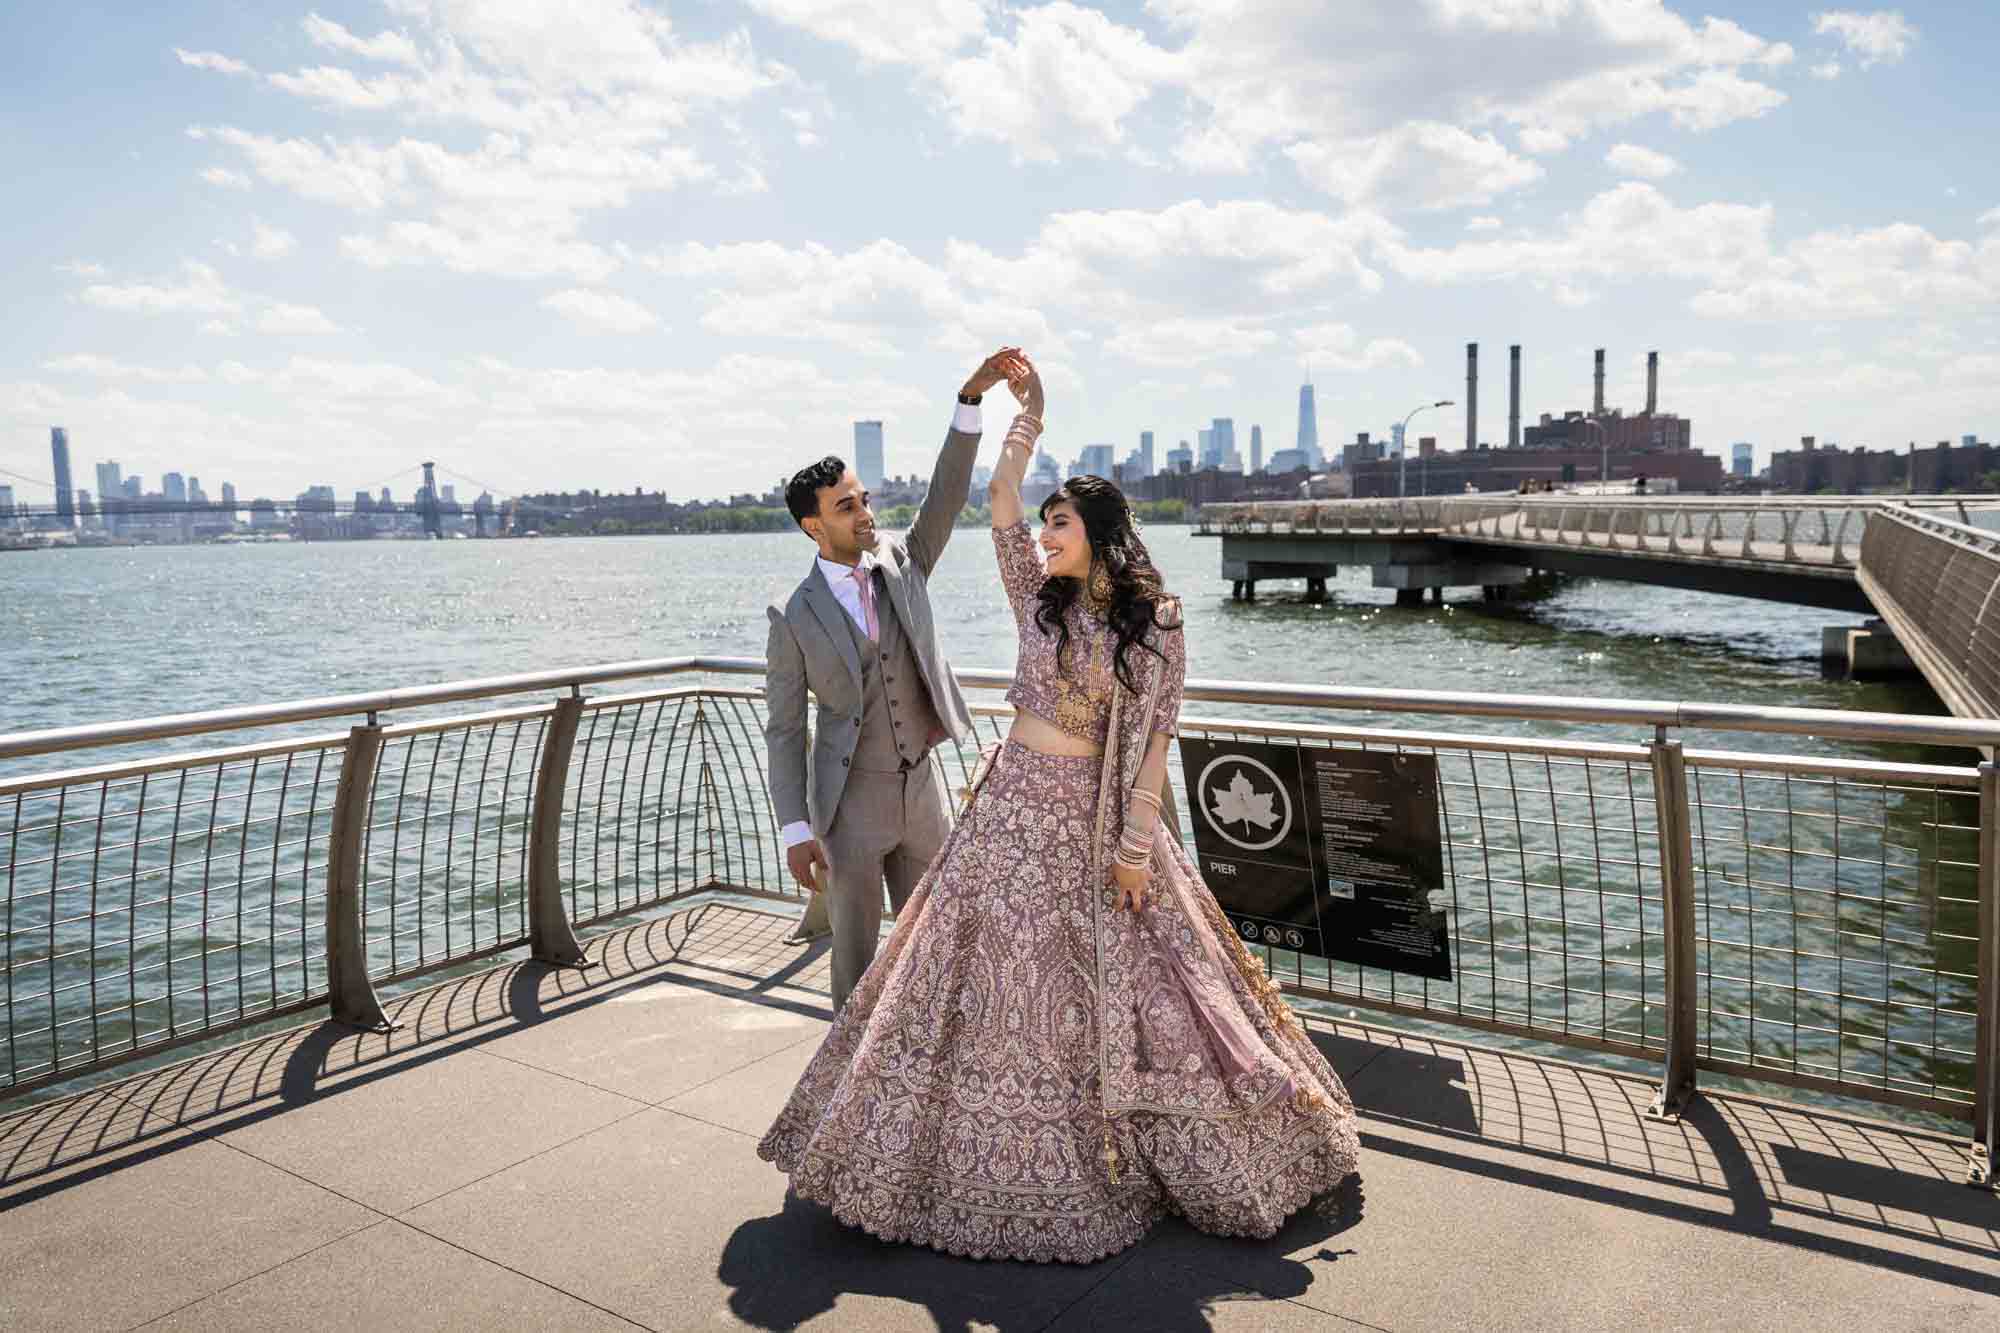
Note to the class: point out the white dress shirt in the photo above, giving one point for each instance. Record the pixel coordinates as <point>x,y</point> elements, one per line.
<point>840,578</point>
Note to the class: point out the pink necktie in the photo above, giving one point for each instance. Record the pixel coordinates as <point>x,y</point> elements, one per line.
<point>864,580</point>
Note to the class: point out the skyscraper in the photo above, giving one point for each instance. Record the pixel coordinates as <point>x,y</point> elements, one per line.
<point>1146,461</point>
<point>1095,461</point>
<point>1308,442</point>
<point>1741,460</point>
<point>110,489</point>
<point>65,495</point>
<point>1256,448</point>
<point>174,487</point>
<point>1204,449</point>
<point>229,493</point>
<point>1222,439</point>
<point>868,454</point>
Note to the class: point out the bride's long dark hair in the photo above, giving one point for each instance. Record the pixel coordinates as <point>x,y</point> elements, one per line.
<point>1137,593</point>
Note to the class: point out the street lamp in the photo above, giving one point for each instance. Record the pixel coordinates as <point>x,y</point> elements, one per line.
<point>1403,459</point>
<point>1603,456</point>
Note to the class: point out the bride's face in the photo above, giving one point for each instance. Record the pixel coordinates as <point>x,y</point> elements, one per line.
<point>1065,542</point>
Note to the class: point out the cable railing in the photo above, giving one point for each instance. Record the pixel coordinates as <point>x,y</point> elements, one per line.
<point>1779,915</point>
<point>1823,531</point>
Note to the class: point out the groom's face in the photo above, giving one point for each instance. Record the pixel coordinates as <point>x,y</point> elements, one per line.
<point>845,525</point>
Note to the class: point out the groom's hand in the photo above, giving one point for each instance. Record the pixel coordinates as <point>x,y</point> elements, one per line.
<point>1001,365</point>
<point>808,864</point>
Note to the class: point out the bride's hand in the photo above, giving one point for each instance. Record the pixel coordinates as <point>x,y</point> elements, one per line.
<point>1131,883</point>
<point>1025,383</point>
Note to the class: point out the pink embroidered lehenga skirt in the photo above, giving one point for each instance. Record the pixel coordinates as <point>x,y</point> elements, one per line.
<point>960,1099</point>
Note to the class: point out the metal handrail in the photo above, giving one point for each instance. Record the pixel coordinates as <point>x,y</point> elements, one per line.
<point>1895,728</point>
<point>1624,897</point>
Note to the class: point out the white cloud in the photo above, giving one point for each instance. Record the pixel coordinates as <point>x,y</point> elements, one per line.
<point>1424,164</point>
<point>110,368</point>
<point>583,107</point>
<point>1483,222</point>
<point>268,242</point>
<point>1899,269</point>
<point>1990,218</point>
<point>1881,37</point>
<point>224,178</point>
<point>83,269</point>
<point>1339,347</point>
<point>876,301</point>
<point>911,32</point>
<point>283,319</point>
<point>391,47</point>
<point>1064,81</point>
<point>1189,342</point>
<point>1629,159</point>
<point>1260,71</point>
<point>1629,231</point>
<point>1826,70</point>
<point>606,311</point>
<point>199,289</point>
<point>212,60</point>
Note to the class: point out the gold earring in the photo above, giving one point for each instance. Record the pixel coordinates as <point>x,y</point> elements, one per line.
<point>1097,588</point>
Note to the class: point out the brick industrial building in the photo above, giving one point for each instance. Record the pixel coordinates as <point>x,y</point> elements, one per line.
<point>1600,444</point>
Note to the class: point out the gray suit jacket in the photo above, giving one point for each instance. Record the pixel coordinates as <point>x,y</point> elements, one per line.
<point>811,648</point>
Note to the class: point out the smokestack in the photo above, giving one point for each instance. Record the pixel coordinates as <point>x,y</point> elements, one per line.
<point>1652,383</point>
<point>1597,401</point>
<point>1514,396</point>
<point>1472,395</point>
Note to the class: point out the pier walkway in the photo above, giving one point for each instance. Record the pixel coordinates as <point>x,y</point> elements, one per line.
<point>558,1129</point>
<point>538,1147</point>
<point>1919,562</point>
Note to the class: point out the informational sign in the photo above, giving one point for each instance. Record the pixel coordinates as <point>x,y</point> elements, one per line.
<point>1327,852</point>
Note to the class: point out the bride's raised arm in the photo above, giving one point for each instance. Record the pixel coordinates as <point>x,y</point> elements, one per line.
<point>1004,491</point>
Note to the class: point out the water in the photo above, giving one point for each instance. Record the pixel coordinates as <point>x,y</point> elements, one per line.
<point>93,635</point>
<point>102,634</point>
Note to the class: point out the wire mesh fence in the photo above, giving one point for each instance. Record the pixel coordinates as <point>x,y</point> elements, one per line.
<point>1836,906</point>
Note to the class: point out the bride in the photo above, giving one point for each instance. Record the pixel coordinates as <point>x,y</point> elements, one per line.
<point>1063,1040</point>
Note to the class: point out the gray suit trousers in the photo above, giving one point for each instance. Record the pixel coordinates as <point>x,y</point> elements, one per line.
<point>889,827</point>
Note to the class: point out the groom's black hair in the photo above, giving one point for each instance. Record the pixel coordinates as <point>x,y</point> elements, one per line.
<point>802,491</point>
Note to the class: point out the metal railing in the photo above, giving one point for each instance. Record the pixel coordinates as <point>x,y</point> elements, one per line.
<point>1937,583</point>
<point>1831,923</point>
<point>1804,530</point>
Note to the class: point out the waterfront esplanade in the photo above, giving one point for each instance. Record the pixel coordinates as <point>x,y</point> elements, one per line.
<point>462,1005</point>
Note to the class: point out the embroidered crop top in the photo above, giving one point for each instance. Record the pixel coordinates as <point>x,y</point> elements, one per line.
<point>1076,700</point>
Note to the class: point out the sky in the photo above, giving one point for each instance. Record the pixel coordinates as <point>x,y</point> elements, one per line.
<point>683,246</point>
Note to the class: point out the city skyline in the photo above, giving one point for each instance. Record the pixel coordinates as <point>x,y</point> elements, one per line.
<point>687,246</point>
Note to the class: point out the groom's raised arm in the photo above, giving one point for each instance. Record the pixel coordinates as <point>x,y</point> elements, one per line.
<point>951,480</point>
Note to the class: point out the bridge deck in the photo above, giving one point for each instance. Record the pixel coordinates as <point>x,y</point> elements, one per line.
<point>561,1149</point>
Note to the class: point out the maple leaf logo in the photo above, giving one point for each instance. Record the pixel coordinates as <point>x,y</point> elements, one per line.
<point>1240,803</point>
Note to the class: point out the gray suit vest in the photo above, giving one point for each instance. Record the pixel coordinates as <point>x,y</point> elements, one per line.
<point>898,723</point>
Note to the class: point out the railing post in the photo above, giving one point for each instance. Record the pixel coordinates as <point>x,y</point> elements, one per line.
<point>1670,798</point>
<point>1986,1058</point>
<point>551,938</point>
<point>350,994</point>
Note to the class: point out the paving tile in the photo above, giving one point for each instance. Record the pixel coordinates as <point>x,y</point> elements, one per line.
<point>658,1038</point>
<point>1160,1296</point>
<point>42,1148</point>
<point>108,1244</point>
<point>396,1136</point>
<point>677,1224</point>
<point>386,1278</point>
<point>749,1099</point>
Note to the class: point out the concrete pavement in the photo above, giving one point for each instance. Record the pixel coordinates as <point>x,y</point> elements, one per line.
<point>551,1149</point>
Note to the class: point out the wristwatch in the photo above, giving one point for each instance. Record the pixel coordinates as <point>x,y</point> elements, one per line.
<point>970,399</point>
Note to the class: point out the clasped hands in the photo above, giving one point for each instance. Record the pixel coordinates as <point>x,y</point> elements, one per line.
<point>1023,380</point>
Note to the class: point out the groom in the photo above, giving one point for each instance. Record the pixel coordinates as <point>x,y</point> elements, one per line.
<point>858,634</point>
